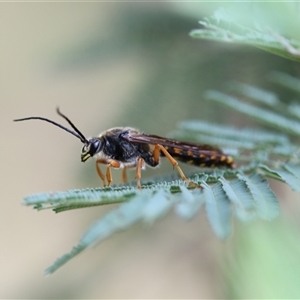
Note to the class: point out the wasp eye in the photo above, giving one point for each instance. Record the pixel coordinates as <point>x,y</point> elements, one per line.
<point>93,146</point>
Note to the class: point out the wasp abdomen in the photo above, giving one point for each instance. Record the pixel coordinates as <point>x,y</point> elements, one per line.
<point>201,158</point>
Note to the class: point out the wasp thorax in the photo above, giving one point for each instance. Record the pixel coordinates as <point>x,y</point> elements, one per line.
<point>91,148</point>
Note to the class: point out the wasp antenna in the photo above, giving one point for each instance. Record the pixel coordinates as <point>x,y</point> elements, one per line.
<point>79,136</point>
<point>82,137</point>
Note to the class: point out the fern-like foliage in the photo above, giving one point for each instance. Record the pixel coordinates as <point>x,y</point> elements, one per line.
<point>226,25</point>
<point>243,192</point>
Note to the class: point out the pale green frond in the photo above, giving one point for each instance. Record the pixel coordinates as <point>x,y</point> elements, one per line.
<point>242,200</point>
<point>64,259</point>
<point>267,206</point>
<point>197,128</point>
<point>294,110</point>
<point>158,206</point>
<point>285,80</point>
<point>231,146</point>
<point>218,209</point>
<point>119,219</point>
<point>254,93</point>
<point>190,203</point>
<point>223,26</point>
<point>72,199</point>
<point>284,175</point>
<point>263,115</point>
<point>292,169</point>
<point>288,151</point>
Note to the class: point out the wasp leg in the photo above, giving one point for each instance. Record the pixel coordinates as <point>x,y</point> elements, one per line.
<point>173,162</point>
<point>124,175</point>
<point>101,175</point>
<point>108,175</point>
<point>139,165</point>
<point>113,164</point>
<point>156,153</point>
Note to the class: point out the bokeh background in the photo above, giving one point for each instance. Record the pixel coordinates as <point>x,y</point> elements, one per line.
<point>117,64</point>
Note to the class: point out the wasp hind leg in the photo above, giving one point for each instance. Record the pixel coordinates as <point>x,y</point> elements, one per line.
<point>138,173</point>
<point>124,175</point>
<point>174,163</point>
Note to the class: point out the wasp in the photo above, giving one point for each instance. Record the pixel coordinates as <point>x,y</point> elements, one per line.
<point>126,147</point>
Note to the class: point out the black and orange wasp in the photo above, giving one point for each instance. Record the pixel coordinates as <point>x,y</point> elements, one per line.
<point>126,147</point>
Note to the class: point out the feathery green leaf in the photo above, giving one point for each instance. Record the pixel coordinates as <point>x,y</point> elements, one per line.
<point>255,93</point>
<point>224,26</point>
<point>263,115</point>
<point>243,201</point>
<point>190,203</point>
<point>285,80</point>
<point>218,209</point>
<point>265,200</point>
<point>284,175</point>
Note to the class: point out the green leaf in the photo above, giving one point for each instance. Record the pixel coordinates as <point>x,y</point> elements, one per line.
<point>263,115</point>
<point>229,134</point>
<point>225,26</point>
<point>243,201</point>
<point>285,80</point>
<point>73,199</point>
<point>294,109</point>
<point>218,209</point>
<point>190,203</point>
<point>158,206</point>
<point>265,200</point>
<point>284,174</point>
<point>255,93</point>
<point>121,218</point>
<point>293,169</point>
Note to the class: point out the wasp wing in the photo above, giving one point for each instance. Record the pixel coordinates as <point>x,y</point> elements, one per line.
<point>171,143</point>
<point>195,154</point>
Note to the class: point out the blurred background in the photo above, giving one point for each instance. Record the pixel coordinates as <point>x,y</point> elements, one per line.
<point>124,64</point>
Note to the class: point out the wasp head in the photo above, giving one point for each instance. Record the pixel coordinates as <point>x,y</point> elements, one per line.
<point>90,148</point>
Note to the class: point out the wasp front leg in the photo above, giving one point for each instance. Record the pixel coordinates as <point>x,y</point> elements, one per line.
<point>99,172</point>
<point>174,163</point>
<point>112,164</point>
<point>107,176</point>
